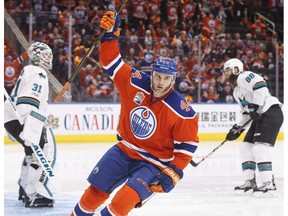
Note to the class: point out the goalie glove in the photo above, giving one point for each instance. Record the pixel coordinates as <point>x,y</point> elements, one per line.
<point>110,22</point>
<point>169,177</point>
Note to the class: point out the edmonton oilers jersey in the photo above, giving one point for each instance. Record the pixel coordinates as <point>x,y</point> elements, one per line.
<point>162,132</point>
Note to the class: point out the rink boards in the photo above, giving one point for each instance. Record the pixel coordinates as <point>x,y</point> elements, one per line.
<point>97,122</point>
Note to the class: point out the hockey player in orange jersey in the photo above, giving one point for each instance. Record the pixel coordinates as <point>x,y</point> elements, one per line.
<point>157,134</point>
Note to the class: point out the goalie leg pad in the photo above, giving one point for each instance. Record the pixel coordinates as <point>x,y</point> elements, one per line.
<point>38,186</point>
<point>37,181</point>
<point>23,179</point>
<point>37,189</point>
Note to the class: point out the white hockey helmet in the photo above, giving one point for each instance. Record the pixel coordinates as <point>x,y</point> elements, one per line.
<point>232,64</point>
<point>41,55</point>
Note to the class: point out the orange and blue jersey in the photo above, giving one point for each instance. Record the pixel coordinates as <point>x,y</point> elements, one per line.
<point>161,132</point>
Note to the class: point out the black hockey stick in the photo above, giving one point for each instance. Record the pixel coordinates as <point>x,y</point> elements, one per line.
<point>77,69</point>
<point>194,164</point>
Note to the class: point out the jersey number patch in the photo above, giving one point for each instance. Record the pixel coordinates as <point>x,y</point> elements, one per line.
<point>249,77</point>
<point>37,88</point>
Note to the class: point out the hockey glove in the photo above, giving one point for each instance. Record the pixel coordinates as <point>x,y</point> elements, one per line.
<point>169,177</point>
<point>233,133</point>
<point>252,109</point>
<point>110,22</point>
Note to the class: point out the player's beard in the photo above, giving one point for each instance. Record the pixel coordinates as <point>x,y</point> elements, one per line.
<point>233,79</point>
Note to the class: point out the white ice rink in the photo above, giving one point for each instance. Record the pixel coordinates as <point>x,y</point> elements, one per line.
<point>204,190</point>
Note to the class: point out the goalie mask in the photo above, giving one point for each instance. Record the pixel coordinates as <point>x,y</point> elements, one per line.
<point>41,55</point>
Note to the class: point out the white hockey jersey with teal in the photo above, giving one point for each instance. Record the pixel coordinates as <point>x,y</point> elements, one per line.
<point>30,93</point>
<point>252,88</point>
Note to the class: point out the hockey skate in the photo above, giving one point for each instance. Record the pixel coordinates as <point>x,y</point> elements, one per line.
<point>247,188</point>
<point>268,189</point>
<point>38,201</point>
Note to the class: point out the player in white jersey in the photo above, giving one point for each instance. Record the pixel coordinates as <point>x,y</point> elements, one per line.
<point>31,94</point>
<point>253,96</point>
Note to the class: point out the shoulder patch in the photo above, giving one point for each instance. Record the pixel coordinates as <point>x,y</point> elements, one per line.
<point>178,104</point>
<point>140,80</point>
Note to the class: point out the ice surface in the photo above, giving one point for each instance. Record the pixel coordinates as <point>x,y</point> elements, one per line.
<point>205,190</point>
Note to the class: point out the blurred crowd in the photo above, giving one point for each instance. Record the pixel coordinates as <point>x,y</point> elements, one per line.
<point>194,33</point>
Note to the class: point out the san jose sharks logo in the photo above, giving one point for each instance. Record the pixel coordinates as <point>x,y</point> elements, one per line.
<point>243,102</point>
<point>142,122</point>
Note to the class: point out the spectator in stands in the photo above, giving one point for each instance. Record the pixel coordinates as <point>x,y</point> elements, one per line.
<point>153,16</point>
<point>147,58</point>
<point>226,95</point>
<point>184,86</point>
<point>106,85</point>
<point>86,75</point>
<point>138,13</point>
<point>258,30</point>
<point>80,14</point>
<point>132,57</point>
<point>239,10</point>
<point>210,22</point>
<point>210,95</point>
<point>94,91</point>
<point>172,12</point>
<point>154,12</point>
<point>12,68</point>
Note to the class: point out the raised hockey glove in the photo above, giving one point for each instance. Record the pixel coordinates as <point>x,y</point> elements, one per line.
<point>169,177</point>
<point>233,133</point>
<point>252,109</point>
<point>110,22</point>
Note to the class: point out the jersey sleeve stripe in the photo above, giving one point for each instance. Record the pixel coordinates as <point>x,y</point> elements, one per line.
<point>186,147</point>
<point>117,69</point>
<point>114,66</point>
<point>112,62</point>
<point>28,100</point>
<point>259,85</point>
<point>183,152</point>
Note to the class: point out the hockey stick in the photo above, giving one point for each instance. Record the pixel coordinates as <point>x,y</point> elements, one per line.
<point>194,164</point>
<point>77,69</point>
<point>35,147</point>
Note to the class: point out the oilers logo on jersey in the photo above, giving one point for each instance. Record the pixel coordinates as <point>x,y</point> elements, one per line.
<point>142,122</point>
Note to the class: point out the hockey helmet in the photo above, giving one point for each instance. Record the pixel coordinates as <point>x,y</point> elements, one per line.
<point>232,64</point>
<point>165,65</point>
<point>41,55</point>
